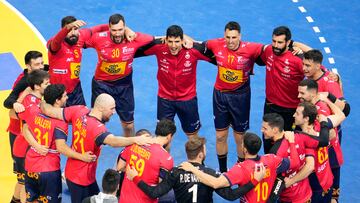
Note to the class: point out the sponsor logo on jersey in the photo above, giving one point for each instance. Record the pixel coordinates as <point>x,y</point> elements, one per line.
<point>187,64</point>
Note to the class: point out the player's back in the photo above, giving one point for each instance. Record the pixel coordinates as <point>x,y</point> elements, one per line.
<point>148,161</point>
<point>188,188</point>
<point>262,190</point>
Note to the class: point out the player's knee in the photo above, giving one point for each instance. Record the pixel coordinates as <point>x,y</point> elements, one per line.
<point>221,137</point>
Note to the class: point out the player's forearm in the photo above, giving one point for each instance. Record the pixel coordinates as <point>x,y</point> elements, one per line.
<point>99,28</point>
<point>305,171</point>
<point>14,95</point>
<point>64,149</point>
<point>207,179</point>
<point>51,111</point>
<point>338,116</point>
<point>302,46</point>
<point>233,194</point>
<point>29,137</point>
<point>55,43</point>
<point>154,191</point>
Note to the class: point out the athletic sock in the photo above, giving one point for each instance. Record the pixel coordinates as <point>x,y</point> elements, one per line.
<point>222,162</point>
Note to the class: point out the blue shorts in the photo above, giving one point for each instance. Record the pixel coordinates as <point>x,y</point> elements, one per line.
<point>232,108</point>
<point>123,93</point>
<point>20,169</point>
<point>187,112</point>
<point>321,196</point>
<point>79,192</point>
<point>43,187</point>
<point>76,97</point>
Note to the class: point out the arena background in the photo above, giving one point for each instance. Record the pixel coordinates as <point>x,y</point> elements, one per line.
<point>329,25</point>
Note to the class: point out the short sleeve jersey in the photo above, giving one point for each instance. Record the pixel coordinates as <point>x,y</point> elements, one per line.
<point>234,67</point>
<point>20,144</point>
<point>44,130</point>
<point>283,75</point>
<point>88,135</point>
<point>147,160</point>
<point>115,60</point>
<point>242,172</point>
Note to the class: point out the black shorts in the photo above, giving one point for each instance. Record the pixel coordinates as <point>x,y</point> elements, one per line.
<point>12,140</point>
<point>286,113</point>
<point>232,108</point>
<point>123,93</point>
<point>79,192</point>
<point>20,169</point>
<point>76,97</point>
<point>187,112</point>
<point>43,187</point>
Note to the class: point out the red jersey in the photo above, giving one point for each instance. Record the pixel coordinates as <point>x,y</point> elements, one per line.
<point>15,126</point>
<point>20,144</point>
<point>43,129</point>
<point>88,135</point>
<point>322,168</point>
<point>283,75</point>
<point>324,109</point>
<point>115,60</point>
<point>262,190</point>
<point>325,84</point>
<point>176,74</point>
<point>66,62</point>
<point>147,160</point>
<point>300,191</point>
<point>234,67</point>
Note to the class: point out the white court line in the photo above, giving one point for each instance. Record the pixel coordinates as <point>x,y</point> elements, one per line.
<point>331,60</point>
<point>302,9</point>
<point>295,1</point>
<point>322,39</point>
<point>309,19</point>
<point>327,50</point>
<point>316,29</point>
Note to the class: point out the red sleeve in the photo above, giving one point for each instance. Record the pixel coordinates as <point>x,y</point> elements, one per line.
<point>125,153</point>
<point>334,88</point>
<point>91,41</point>
<point>210,44</point>
<point>54,44</point>
<point>310,142</point>
<point>236,175</point>
<point>70,112</point>
<point>167,162</point>
<point>152,50</point>
<point>86,33</point>
<point>309,152</point>
<point>99,28</point>
<point>200,56</point>
<point>294,157</point>
<point>256,50</point>
<point>265,53</point>
<point>143,39</point>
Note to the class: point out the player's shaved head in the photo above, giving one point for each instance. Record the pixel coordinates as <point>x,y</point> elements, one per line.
<point>103,100</point>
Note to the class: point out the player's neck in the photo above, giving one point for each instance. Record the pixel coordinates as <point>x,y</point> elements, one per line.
<point>308,128</point>
<point>249,156</point>
<point>36,94</point>
<point>278,136</point>
<point>317,75</point>
<point>161,140</point>
<point>196,160</point>
<point>95,113</point>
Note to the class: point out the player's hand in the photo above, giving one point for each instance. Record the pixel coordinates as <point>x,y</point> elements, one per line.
<point>18,108</point>
<point>131,172</point>
<point>321,117</point>
<point>288,182</point>
<point>88,157</point>
<point>323,96</point>
<point>143,139</point>
<point>259,172</point>
<point>41,149</point>
<point>333,76</point>
<point>297,51</point>
<point>129,34</point>
<point>75,24</point>
<point>188,42</point>
<point>289,135</point>
<point>186,166</point>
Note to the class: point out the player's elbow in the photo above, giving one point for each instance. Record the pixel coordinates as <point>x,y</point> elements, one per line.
<point>346,109</point>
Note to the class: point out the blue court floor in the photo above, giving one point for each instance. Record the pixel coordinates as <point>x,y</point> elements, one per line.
<point>328,25</point>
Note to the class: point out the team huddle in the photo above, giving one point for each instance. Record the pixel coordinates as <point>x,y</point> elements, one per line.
<point>301,125</point>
